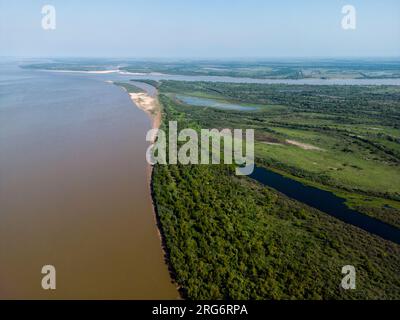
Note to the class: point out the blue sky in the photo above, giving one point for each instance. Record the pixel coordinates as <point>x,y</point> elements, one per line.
<point>200,29</point>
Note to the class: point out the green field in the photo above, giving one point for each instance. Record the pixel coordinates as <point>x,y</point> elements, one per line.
<point>341,138</point>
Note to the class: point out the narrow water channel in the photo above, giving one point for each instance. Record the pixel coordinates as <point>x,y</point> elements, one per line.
<point>325,201</point>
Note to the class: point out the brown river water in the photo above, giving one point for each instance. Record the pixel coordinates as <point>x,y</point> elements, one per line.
<point>74,191</point>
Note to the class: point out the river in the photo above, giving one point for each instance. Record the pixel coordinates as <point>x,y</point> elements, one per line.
<point>74,191</point>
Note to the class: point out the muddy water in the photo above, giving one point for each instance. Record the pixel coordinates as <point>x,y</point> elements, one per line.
<point>74,191</point>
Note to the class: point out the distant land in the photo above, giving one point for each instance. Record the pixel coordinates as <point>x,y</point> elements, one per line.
<point>373,68</point>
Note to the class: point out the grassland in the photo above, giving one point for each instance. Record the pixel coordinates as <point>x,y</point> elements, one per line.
<point>341,138</point>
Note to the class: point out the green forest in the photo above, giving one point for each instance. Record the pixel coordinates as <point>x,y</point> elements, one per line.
<point>229,237</point>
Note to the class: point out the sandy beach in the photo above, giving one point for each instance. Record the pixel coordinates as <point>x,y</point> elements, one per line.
<point>85,71</point>
<point>150,105</point>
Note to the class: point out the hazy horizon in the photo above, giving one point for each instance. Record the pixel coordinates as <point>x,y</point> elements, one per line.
<point>211,58</point>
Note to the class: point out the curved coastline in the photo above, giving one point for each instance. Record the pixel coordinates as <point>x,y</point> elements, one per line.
<point>152,107</point>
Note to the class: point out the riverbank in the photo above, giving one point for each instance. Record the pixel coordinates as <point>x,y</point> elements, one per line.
<point>152,107</point>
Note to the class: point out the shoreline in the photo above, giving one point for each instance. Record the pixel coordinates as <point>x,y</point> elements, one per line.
<point>151,106</point>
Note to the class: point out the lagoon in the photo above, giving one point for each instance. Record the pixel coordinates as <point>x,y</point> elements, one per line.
<point>213,103</point>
